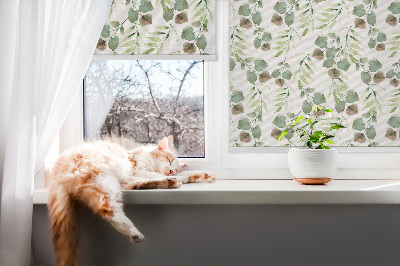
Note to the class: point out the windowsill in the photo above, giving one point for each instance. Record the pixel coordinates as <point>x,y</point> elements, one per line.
<point>264,192</point>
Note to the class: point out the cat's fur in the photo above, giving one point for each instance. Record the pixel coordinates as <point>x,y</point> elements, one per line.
<point>94,174</point>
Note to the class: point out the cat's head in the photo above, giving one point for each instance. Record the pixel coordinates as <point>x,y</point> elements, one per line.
<point>164,160</point>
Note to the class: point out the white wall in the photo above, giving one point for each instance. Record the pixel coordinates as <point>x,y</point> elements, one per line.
<point>191,235</point>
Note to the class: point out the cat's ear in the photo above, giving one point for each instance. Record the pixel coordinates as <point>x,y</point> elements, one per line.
<point>163,145</point>
<point>171,146</point>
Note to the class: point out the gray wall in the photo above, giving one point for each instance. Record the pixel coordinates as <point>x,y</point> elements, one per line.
<point>237,235</point>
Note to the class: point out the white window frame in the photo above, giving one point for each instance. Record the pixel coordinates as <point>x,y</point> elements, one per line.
<point>245,163</point>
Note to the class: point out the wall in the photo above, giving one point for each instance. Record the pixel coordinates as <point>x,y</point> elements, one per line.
<point>237,235</point>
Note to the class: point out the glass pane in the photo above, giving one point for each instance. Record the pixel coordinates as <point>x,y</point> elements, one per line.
<point>140,102</point>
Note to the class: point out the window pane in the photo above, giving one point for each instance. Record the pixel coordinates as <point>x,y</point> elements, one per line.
<point>140,102</point>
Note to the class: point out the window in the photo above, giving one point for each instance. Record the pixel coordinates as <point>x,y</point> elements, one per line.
<point>296,55</point>
<point>141,101</point>
<point>213,151</point>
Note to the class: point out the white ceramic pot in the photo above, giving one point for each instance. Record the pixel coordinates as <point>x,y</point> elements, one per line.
<point>314,166</point>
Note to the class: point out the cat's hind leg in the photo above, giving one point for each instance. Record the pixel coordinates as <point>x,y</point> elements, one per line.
<point>103,195</point>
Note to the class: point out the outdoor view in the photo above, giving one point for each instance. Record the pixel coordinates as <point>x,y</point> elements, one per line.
<point>141,101</point>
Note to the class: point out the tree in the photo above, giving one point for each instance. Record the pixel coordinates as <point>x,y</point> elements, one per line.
<point>145,101</point>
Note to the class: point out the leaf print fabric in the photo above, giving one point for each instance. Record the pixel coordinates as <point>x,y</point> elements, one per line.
<point>286,56</point>
<point>159,27</point>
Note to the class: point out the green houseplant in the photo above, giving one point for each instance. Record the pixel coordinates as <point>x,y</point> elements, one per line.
<point>315,162</point>
<point>313,139</point>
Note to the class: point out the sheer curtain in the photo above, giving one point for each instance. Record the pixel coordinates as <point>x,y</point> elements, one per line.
<point>55,41</point>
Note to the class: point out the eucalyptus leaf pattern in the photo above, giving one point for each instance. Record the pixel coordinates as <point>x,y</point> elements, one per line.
<point>288,55</point>
<point>159,27</point>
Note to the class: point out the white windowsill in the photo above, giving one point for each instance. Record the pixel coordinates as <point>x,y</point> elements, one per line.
<point>264,192</point>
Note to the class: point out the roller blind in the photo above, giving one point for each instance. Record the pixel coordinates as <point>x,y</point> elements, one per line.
<point>160,27</point>
<point>287,56</point>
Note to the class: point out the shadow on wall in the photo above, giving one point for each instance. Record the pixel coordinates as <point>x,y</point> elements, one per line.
<point>233,235</point>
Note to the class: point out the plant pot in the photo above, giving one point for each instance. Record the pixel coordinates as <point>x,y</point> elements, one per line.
<point>312,167</point>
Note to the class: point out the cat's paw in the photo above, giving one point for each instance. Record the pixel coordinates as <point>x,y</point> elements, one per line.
<point>137,237</point>
<point>174,182</point>
<point>201,177</point>
<point>182,167</point>
<point>209,177</point>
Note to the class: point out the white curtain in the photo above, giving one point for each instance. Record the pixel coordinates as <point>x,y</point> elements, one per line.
<point>55,40</point>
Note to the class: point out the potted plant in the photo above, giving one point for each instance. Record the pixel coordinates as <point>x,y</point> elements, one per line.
<point>315,162</point>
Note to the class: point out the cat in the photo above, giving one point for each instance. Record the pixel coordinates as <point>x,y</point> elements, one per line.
<point>94,173</point>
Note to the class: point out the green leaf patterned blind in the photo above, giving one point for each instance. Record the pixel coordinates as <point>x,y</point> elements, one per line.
<point>159,27</point>
<point>286,56</point>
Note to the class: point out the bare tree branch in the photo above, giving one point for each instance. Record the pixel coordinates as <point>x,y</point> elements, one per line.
<point>183,81</point>
<point>146,72</point>
<point>167,118</point>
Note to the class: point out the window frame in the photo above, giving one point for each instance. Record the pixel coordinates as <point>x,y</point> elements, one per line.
<point>172,58</point>
<point>72,130</point>
<point>376,163</point>
<point>244,163</point>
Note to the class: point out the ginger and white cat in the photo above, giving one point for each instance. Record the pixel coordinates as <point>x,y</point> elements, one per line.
<point>94,174</point>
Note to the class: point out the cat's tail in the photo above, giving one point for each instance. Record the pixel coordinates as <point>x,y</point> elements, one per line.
<point>62,212</point>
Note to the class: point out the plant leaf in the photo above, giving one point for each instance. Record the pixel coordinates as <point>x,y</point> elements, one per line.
<point>371,132</point>
<point>202,42</point>
<point>244,124</point>
<point>319,98</point>
<point>371,18</point>
<point>256,132</point>
<point>282,134</point>
<point>358,124</point>
<point>145,6</point>
<point>113,43</point>
<point>394,7</point>
<point>280,7</point>
<point>306,107</point>
<point>251,76</point>
<point>337,126</point>
<point>374,65</point>
<point>298,119</point>
<point>267,37</point>
<point>280,121</point>
<point>244,10</point>
<point>237,96</point>
<point>352,97</point>
<point>289,19</point>
<point>322,41</point>
<point>105,33</point>
<point>257,18</point>
<point>181,5</point>
<point>188,34</point>
<point>260,65</point>
<point>359,10</point>
<point>394,122</point>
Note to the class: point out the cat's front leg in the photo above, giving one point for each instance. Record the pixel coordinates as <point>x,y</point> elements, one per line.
<point>197,177</point>
<point>147,174</point>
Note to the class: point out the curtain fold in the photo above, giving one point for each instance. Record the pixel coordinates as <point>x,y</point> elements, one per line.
<point>55,43</point>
